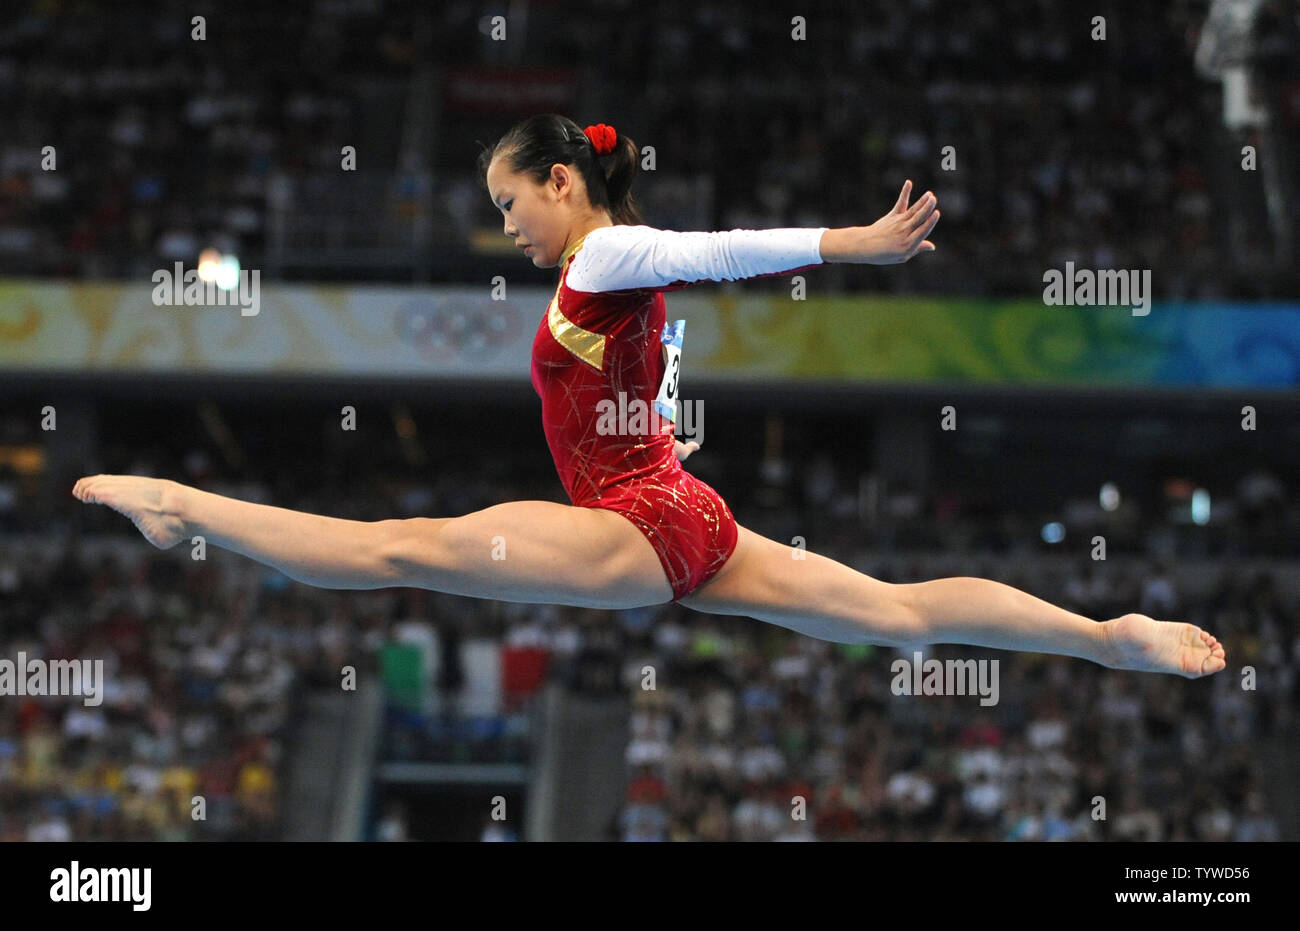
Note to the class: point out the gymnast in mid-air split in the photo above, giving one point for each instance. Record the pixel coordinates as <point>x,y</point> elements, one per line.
<point>641,530</point>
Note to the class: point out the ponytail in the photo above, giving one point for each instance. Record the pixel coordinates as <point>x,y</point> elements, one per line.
<point>620,168</point>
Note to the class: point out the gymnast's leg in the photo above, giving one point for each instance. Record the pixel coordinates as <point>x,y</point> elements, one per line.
<point>538,552</point>
<point>828,600</point>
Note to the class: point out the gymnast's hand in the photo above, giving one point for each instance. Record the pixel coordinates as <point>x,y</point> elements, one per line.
<point>684,449</point>
<point>681,449</point>
<point>891,240</point>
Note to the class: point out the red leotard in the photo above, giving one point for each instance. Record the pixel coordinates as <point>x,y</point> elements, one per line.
<point>590,347</point>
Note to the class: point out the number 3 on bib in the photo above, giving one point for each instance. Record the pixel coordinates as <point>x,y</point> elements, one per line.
<point>666,399</point>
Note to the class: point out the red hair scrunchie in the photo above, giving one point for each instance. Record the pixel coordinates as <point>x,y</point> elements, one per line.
<point>602,138</point>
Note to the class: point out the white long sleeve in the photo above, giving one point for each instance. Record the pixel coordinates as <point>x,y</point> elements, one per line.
<point>616,258</point>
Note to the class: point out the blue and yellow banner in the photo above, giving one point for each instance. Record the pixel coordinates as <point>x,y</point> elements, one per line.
<point>426,333</point>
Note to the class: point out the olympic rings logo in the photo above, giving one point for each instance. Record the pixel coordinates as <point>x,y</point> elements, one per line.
<point>444,329</point>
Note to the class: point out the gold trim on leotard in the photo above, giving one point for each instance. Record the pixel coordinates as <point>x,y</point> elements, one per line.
<point>587,345</point>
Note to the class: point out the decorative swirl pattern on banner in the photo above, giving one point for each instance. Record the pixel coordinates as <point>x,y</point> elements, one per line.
<point>1260,348</point>
<point>460,332</point>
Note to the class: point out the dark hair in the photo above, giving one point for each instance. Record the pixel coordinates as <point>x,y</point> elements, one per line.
<point>533,145</point>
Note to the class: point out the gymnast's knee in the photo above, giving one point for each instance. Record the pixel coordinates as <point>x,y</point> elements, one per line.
<point>896,620</point>
<point>415,550</point>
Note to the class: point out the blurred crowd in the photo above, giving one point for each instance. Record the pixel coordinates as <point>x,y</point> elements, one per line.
<point>204,664</point>
<point>1059,146</point>
<point>186,739</point>
<point>203,659</point>
<point>755,733</point>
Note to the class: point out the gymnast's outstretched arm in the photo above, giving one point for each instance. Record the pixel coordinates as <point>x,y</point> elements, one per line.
<point>618,258</point>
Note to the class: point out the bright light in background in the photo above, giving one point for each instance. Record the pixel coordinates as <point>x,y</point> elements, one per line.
<point>1201,507</point>
<point>209,259</point>
<point>218,269</point>
<point>1053,532</point>
<point>1109,496</point>
<point>228,273</point>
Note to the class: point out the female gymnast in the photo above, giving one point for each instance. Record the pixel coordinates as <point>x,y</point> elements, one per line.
<point>641,530</point>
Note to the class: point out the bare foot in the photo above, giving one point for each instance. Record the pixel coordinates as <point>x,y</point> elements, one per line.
<point>1138,642</point>
<point>149,502</point>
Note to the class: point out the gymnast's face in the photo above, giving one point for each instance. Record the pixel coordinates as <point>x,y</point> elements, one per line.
<point>537,216</point>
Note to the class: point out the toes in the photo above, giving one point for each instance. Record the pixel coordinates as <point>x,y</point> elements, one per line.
<point>1214,662</point>
<point>94,492</point>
